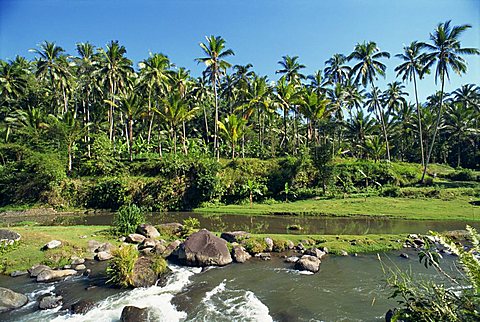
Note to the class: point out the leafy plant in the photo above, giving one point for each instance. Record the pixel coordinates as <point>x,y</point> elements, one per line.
<point>190,225</point>
<point>127,218</point>
<point>120,268</point>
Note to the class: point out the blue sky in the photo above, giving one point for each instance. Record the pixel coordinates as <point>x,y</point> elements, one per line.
<point>260,32</point>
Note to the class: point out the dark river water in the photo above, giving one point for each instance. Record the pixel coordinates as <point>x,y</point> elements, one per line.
<point>270,224</point>
<point>345,289</point>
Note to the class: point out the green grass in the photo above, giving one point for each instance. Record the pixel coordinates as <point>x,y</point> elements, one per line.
<point>28,252</point>
<point>457,208</point>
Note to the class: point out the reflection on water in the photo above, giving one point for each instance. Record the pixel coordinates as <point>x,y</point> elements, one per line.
<point>271,224</point>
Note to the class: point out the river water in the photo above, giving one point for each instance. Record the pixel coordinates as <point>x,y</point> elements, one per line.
<point>345,289</point>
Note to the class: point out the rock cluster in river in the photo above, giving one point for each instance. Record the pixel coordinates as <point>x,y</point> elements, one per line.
<point>10,300</point>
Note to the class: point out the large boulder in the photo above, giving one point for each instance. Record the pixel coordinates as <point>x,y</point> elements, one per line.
<point>269,243</point>
<point>103,256</point>
<point>316,252</point>
<point>172,247</point>
<point>50,302</point>
<point>105,247</point>
<point>93,245</point>
<point>308,263</point>
<point>172,228</point>
<point>10,300</point>
<point>81,307</point>
<point>50,275</point>
<point>240,255</point>
<point>148,231</point>
<point>134,314</point>
<point>143,273</point>
<point>234,236</point>
<point>147,243</point>
<point>204,249</point>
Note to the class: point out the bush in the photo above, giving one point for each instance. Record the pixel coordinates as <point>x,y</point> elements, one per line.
<point>159,265</point>
<point>190,225</point>
<point>255,245</point>
<point>462,175</point>
<point>120,268</point>
<point>391,192</point>
<point>280,245</point>
<point>109,193</point>
<point>127,219</point>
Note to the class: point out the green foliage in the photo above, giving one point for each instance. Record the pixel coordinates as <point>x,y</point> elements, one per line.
<point>190,225</point>
<point>120,268</point>
<point>109,193</point>
<point>127,218</point>
<point>322,161</point>
<point>280,245</point>
<point>391,191</point>
<point>159,265</point>
<point>428,301</point>
<point>462,175</point>
<point>254,245</point>
<point>102,161</point>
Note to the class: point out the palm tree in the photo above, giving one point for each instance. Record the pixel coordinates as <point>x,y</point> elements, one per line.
<point>155,75</point>
<point>132,106</point>
<point>366,70</point>
<point>314,108</point>
<point>445,52</point>
<point>13,82</point>
<point>215,52</point>
<point>232,129</point>
<point>317,83</point>
<point>291,69</point>
<point>115,71</point>
<point>336,70</point>
<point>286,95</point>
<point>411,67</point>
<point>359,128</point>
<point>54,69</point>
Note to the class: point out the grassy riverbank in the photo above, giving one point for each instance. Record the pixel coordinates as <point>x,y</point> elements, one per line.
<point>457,208</point>
<point>75,239</point>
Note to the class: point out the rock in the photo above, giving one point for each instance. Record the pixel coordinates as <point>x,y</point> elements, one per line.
<point>77,261</point>
<point>173,246</point>
<point>105,247</point>
<point>148,231</point>
<point>404,255</point>
<point>52,244</point>
<point>10,300</point>
<point>159,249</point>
<point>18,273</point>
<point>50,302</point>
<point>264,256</point>
<point>146,251</point>
<point>87,272</point>
<point>308,263</point>
<point>92,245</point>
<point>103,256</point>
<point>343,253</point>
<point>37,269</point>
<point>389,315</point>
<point>50,275</point>
<point>324,249</point>
<point>134,314</point>
<point>81,307</point>
<point>80,267</point>
<point>418,242</point>
<point>67,266</point>
<point>316,252</point>
<point>290,244</point>
<point>204,249</point>
<point>172,228</point>
<point>269,243</point>
<point>235,236</point>
<point>135,238</point>
<point>239,254</point>
<point>147,243</point>
<point>8,237</point>
<point>300,246</point>
<point>143,275</point>
<point>292,259</point>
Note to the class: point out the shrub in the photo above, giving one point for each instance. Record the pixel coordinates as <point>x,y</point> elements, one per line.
<point>109,193</point>
<point>127,218</point>
<point>255,245</point>
<point>120,268</point>
<point>392,191</point>
<point>280,245</point>
<point>159,265</point>
<point>190,225</point>
<point>462,175</point>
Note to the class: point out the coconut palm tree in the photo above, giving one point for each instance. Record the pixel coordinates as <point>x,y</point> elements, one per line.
<point>291,69</point>
<point>115,69</point>
<point>286,94</point>
<point>132,107</point>
<point>155,75</point>
<point>444,52</point>
<point>215,52</point>
<point>336,70</point>
<point>314,108</point>
<point>232,129</point>
<point>411,67</point>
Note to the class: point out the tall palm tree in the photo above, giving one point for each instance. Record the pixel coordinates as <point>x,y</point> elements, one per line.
<point>411,67</point>
<point>290,68</point>
<point>445,51</point>
<point>215,52</point>
<point>133,107</point>
<point>115,70</point>
<point>13,82</point>
<point>155,74</point>
<point>286,94</point>
<point>336,70</point>
<point>314,108</point>
<point>367,68</point>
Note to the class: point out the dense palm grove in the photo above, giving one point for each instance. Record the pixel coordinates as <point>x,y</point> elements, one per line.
<point>97,102</point>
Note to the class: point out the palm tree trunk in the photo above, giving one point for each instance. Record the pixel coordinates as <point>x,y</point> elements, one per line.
<point>206,124</point>
<point>215,138</point>
<point>384,128</point>
<point>435,130</point>
<point>184,139</point>
<point>150,114</point>
<point>420,134</point>
<point>130,137</point>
